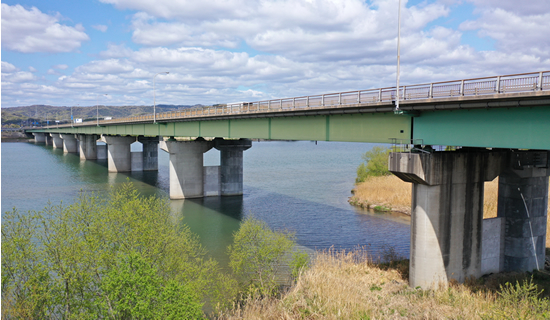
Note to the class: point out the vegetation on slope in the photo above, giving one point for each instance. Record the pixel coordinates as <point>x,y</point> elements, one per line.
<point>42,113</point>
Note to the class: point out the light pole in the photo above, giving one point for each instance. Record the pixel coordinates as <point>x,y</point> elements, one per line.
<point>155,97</point>
<point>97,107</point>
<point>397,111</point>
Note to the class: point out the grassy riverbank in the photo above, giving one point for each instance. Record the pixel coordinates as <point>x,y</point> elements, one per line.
<point>389,193</point>
<point>344,286</point>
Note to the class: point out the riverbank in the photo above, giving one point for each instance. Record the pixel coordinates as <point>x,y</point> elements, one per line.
<point>345,286</point>
<point>15,137</point>
<point>391,194</point>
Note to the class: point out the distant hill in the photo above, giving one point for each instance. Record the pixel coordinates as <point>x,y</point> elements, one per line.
<point>40,113</point>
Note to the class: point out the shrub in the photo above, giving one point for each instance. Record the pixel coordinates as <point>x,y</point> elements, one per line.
<point>376,164</point>
<point>257,256</point>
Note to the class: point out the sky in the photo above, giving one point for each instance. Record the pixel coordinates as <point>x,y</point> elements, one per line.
<point>115,52</point>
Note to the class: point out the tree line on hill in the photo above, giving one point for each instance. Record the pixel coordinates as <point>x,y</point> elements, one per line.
<point>40,115</point>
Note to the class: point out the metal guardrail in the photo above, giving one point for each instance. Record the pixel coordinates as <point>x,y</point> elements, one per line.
<point>524,82</point>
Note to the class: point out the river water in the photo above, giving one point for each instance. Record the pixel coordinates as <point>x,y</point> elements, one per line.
<point>299,186</point>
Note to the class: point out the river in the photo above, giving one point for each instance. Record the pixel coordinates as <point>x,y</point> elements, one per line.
<point>299,186</point>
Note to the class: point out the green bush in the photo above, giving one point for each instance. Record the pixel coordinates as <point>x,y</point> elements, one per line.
<point>86,260</point>
<point>257,256</point>
<point>376,164</point>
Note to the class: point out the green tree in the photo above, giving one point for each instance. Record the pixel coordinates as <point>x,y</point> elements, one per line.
<point>55,263</point>
<point>376,164</point>
<point>258,255</point>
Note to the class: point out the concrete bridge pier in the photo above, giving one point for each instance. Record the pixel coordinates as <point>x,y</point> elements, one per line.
<point>231,165</point>
<point>88,146</point>
<point>48,139</point>
<point>119,157</point>
<point>69,143</point>
<point>150,153</point>
<point>523,203</point>
<point>186,167</point>
<point>57,141</point>
<point>447,212</point>
<point>39,137</point>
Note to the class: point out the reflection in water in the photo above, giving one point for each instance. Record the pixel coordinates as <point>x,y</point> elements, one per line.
<point>301,187</point>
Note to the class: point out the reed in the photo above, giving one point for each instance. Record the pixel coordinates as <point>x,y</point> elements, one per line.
<point>392,194</point>
<point>342,285</point>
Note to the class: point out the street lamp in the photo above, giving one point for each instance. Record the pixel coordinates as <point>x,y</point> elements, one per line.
<point>99,95</point>
<point>155,97</point>
<point>397,111</point>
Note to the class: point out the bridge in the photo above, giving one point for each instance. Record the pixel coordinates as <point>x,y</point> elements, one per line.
<point>498,127</point>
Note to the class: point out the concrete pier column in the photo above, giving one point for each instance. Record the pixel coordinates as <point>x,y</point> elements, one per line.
<point>69,143</point>
<point>39,137</point>
<point>150,153</point>
<point>231,165</point>
<point>118,153</point>
<point>523,203</point>
<point>186,167</point>
<point>57,141</point>
<point>88,146</point>
<point>48,139</point>
<point>447,213</point>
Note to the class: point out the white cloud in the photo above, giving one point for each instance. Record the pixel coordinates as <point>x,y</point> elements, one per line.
<point>100,27</point>
<point>60,66</point>
<point>33,31</point>
<point>109,66</point>
<point>8,67</point>
<point>20,76</point>
<point>32,69</point>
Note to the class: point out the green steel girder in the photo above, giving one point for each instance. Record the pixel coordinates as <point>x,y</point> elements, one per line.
<point>517,128</point>
<point>367,127</point>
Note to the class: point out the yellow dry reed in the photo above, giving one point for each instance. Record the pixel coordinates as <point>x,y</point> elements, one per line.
<point>338,286</point>
<point>391,192</point>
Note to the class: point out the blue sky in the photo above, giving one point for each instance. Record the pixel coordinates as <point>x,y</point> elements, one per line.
<point>58,53</point>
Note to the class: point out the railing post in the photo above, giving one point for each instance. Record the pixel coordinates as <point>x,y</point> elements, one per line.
<point>498,84</point>
<point>281,104</point>
<point>462,87</point>
<point>431,93</point>
<point>269,105</point>
<point>293,103</point>
<point>323,100</point>
<point>380,95</point>
<point>358,97</point>
<point>404,92</point>
<point>307,102</point>
<point>340,99</point>
<point>540,80</point>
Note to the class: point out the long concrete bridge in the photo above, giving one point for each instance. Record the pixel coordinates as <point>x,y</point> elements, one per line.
<point>499,127</point>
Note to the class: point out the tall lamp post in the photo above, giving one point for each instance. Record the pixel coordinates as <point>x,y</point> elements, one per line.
<point>397,110</point>
<point>97,106</point>
<point>155,97</point>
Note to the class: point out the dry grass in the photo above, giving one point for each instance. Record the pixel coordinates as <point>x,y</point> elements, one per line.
<point>339,287</point>
<point>392,193</point>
